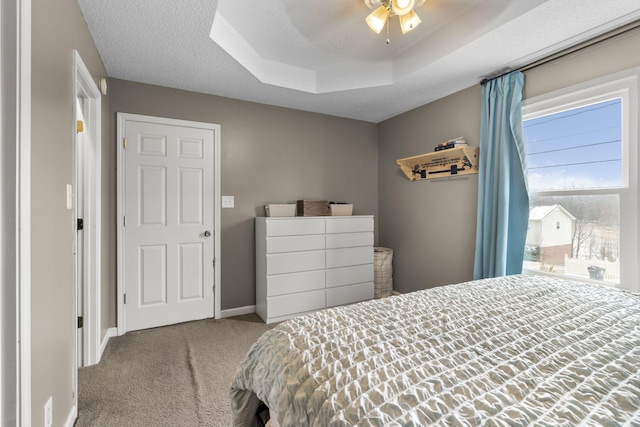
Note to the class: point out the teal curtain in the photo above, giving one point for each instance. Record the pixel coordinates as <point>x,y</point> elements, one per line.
<point>503,202</point>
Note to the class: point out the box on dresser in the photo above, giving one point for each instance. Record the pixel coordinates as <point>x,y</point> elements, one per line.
<point>341,209</point>
<point>312,208</point>
<point>280,209</point>
<point>307,264</point>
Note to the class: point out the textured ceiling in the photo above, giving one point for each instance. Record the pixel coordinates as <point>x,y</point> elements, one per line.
<point>321,56</point>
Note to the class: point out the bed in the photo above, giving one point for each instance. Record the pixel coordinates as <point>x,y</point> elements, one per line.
<point>516,350</point>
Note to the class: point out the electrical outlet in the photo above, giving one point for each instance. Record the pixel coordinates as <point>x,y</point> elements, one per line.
<point>48,412</point>
<point>228,201</point>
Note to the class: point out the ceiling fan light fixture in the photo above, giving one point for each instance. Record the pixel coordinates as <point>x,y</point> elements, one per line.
<point>409,21</point>
<point>377,19</point>
<point>402,7</point>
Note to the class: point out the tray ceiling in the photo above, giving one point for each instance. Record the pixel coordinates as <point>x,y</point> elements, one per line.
<point>320,56</point>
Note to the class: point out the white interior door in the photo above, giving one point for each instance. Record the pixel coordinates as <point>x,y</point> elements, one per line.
<point>168,224</point>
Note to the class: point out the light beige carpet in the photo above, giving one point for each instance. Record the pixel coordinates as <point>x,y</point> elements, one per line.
<point>171,376</point>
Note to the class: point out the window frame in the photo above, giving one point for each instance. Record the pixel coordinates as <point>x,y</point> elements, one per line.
<point>623,85</point>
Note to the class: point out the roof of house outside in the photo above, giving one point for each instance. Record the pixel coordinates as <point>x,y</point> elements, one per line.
<point>540,212</point>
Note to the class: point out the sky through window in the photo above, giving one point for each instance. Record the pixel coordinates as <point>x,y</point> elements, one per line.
<point>575,149</point>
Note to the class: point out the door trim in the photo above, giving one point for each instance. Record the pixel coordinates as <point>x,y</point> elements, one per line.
<point>85,86</point>
<point>15,119</point>
<point>24,197</point>
<point>121,119</point>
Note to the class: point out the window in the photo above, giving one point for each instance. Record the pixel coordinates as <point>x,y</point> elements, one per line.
<point>582,158</point>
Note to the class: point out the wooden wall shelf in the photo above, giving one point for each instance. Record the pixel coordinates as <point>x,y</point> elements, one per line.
<point>441,164</point>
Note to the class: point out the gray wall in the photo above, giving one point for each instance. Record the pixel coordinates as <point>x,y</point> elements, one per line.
<point>431,224</point>
<point>617,54</point>
<point>268,155</point>
<point>8,218</point>
<point>57,28</point>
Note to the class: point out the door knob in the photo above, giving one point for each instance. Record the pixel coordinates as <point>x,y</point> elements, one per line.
<point>207,233</point>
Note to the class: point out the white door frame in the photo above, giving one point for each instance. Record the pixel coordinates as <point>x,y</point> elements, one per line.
<point>121,121</point>
<point>85,87</point>
<point>15,229</point>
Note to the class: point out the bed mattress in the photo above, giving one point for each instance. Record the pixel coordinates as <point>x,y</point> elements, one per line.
<point>517,350</point>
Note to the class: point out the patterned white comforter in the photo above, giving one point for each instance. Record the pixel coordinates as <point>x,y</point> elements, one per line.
<point>516,351</point>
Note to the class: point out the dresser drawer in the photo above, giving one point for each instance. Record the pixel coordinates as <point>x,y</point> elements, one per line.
<point>294,243</point>
<point>285,305</point>
<point>349,225</point>
<point>349,256</point>
<point>349,294</point>
<point>295,227</point>
<point>295,282</point>
<point>349,275</point>
<point>293,262</point>
<point>347,240</point>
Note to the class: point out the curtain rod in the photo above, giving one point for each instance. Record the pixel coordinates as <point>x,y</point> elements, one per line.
<point>568,51</point>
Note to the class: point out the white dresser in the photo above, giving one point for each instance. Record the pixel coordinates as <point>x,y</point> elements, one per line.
<point>305,264</point>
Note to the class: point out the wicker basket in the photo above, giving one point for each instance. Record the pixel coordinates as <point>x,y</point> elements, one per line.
<point>382,272</point>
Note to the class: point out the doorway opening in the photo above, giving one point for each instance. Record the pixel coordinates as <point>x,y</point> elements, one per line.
<point>87,210</point>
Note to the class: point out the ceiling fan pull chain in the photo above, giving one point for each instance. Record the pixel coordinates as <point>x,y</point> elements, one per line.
<point>388,41</point>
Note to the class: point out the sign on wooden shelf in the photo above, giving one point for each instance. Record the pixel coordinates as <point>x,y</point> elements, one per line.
<point>440,164</point>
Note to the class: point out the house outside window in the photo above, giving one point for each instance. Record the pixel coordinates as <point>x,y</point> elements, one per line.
<point>582,158</point>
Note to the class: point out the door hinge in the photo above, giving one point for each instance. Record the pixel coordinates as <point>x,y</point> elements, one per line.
<point>214,262</point>
<point>125,298</point>
<point>124,143</point>
<point>124,221</point>
<point>80,224</point>
<point>79,126</point>
<point>80,322</point>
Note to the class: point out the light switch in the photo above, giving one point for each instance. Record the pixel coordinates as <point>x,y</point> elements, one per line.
<point>69,196</point>
<point>227,202</point>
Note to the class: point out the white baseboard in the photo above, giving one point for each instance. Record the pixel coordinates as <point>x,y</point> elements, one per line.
<point>111,332</point>
<point>239,311</point>
<point>71,419</point>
